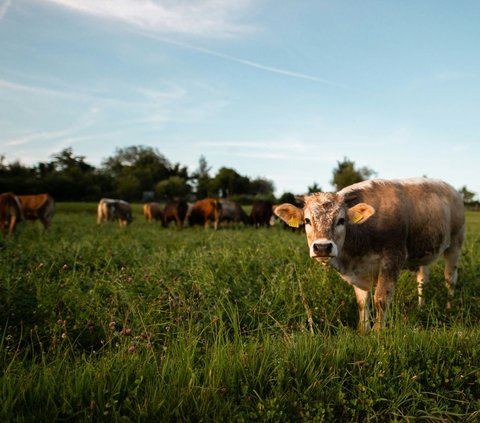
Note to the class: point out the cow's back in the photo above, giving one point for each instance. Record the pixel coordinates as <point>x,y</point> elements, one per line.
<point>38,206</point>
<point>419,215</point>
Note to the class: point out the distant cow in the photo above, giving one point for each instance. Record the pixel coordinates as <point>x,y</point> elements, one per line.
<point>369,231</point>
<point>40,206</point>
<point>205,211</point>
<point>10,212</point>
<point>114,210</point>
<point>232,212</point>
<point>261,213</point>
<point>175,211</point>
<point>153,211</point>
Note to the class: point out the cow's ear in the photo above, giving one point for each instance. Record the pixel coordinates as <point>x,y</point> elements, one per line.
<point>360,213</point>
<point>290,214</point>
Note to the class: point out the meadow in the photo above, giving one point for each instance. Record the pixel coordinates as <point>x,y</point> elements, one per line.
<point>102,323</point>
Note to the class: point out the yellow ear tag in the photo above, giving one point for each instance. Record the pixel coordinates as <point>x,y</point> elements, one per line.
<point>294,223</point>
<point>358,218</point>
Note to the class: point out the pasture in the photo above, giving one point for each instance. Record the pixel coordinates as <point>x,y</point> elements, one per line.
<point>102,323</point>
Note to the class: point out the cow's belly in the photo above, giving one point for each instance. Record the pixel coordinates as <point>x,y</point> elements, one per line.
<point>361,272</point>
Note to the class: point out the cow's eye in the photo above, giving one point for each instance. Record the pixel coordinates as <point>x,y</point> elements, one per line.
<point>307,221</point>
<point>341,221</point>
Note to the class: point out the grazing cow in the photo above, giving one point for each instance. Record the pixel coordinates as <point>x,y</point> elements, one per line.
<point>205,211</point>
<point>40,206</point>
<point>175,211</point>
<point>369,231</point>
<point>153,211</point>
<point>111,209</point>
<point>233,212</point>
<point>10,212</point>
<point>261,213</point>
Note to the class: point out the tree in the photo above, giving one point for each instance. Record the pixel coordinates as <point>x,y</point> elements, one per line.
<point>467,195</point>
<point>228,182</point>
<point>68,177</point>
<point>202,178</point>
<point>261,187</point>
<point>314,188</point>
<point>288,197</point>
<point>172,188</point>
<point>345,174</point>
<point>66,161</point>
<point>137,169</point>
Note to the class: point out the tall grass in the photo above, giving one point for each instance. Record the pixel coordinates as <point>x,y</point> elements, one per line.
<point>151,324</point>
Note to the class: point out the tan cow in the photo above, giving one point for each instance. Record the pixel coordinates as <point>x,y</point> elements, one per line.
<point>369,231</point>
<point>10,212</point>
<point>111,209</point>
<point>205,211</point>
<point>40,206</point>
<point>153,211</point>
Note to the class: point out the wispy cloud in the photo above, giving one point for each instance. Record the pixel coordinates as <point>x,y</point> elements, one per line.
<point>207,18</point>
<point>451,76</point>
<point>241,61</point>
<point>5,84</point>
<point>4,5</point>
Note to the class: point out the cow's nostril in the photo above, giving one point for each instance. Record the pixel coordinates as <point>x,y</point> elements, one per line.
<point>322,248</point>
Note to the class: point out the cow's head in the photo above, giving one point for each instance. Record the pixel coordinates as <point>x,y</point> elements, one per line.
<point>326,217</point>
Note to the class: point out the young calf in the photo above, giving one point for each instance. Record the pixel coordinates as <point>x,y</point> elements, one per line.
<point>369,231</point>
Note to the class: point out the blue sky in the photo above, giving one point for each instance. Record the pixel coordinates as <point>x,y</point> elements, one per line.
<point>279,89</point>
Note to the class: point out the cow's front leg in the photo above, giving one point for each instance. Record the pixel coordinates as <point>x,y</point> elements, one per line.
<point>423,275</point>
<point>384,292</point>
<point>363,303</point>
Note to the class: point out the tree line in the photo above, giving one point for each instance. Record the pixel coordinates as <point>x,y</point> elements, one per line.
<point>135,173</point>
<point>141,173</point>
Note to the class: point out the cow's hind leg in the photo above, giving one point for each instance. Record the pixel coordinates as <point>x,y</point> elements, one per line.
<point>423,276</point>
<point>451,272</point>
<point>388,274</point>
<point>452,255</point>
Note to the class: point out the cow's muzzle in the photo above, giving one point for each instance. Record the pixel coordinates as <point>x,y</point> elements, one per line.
<point>323,248</point>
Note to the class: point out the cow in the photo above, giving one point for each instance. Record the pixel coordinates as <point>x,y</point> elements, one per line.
<point>114,210</point>
<point>205,211</point>
<point>175,211</point>
<point>233,212</point>
<point>261,213</point>
<point>153,211</point>
<point>371,230</point>
<point>10,212</point>
<point>39,206</point>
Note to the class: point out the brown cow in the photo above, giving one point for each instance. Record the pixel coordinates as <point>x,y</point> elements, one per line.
<point>369,231</point>
<point>10,212</point>
<point>175,211</point>
<point>153,211</point>
<point>40,206</point>
<point>111,209</point>
<point>261,213</point>
<point>205,211</point>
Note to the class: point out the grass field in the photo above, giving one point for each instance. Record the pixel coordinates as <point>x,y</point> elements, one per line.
<point>151,324</point>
